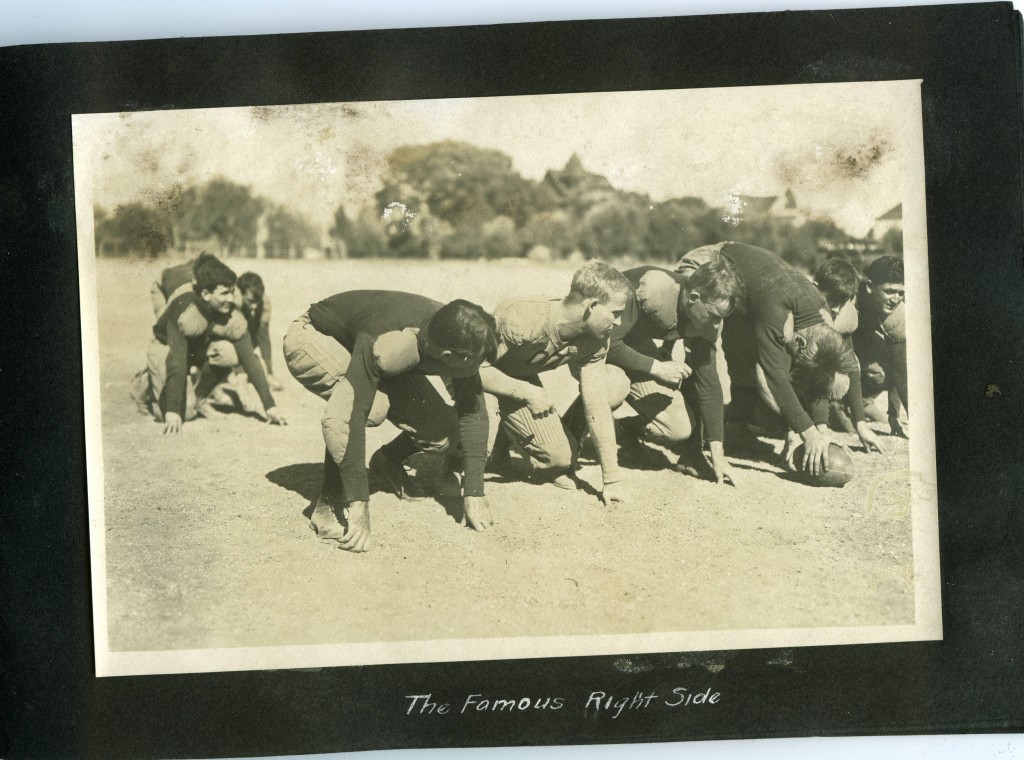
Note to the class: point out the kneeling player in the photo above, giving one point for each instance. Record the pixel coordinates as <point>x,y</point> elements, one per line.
<point>539,335</point>
<point>348,346</point>
<point>837,279</point>
<point>781,313</point>
<point>199,328</point>
<point>669,307</point>
<point>881,336</point>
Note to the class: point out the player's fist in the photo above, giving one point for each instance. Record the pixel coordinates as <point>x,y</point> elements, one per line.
<point>614,494</point>
<point>670,373</point>
<point>538,402</point>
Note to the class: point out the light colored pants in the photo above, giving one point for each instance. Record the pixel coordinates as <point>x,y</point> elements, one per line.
<point>668,419</point>
<point>547,442</point>
<point>148,384</point>
<point>410,401</point>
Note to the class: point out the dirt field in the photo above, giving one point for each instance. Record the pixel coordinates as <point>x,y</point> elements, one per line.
<point>208,543</point>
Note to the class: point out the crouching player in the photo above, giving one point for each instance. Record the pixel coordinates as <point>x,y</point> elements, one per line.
<point>781,333</point>
<point>199,328</point>
<point>539,335</point>
<point>881,337</point>
<point>349,346</point>
<point>666,394</point>
<point>837,279</point>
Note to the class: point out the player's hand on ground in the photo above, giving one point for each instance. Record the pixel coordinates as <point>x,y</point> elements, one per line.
<point>357,527</point>
<point>614,494</point>
<point>670,373</point>
<point>477,512</point>
<point>723,470</point>
<point>274,417</point>
<point>815,453</point>
<point>274,383</point>
<point>172,423</point>
<point>539,402</point>
<point>869,438</point>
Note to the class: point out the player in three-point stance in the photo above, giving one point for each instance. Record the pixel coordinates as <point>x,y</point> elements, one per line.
<point>538,335</point>
<point>346,348</point>
<point>881,337</point>
<point>837,279</point>
<point>678,404</point>
<point>780,348</point>
<point>200,328</point>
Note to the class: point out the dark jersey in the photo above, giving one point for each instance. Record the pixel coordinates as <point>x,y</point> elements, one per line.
<point>187,326</point>
<point>774,291</point>
<point>654,312</point>
<point>382,330</point>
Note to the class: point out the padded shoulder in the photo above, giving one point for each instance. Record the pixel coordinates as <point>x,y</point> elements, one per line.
<point>895,325</point>
<point>522,321</point>
<point>191,322</point>
<point>397,351</point>
<point>657,294</point>
<point>233,329</point>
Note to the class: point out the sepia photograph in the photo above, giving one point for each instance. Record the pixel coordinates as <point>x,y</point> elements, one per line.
<point>598,373</point>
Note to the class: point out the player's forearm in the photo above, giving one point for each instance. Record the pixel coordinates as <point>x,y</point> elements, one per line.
<point>707,388</point>
<point>254,369</point>
<point>344,420</point>
<point>620,354</point>
<point>473,423</point>
<point>497,383</point>
<point>473,432</point>
<point>599,420</point>
<point>263,344</point>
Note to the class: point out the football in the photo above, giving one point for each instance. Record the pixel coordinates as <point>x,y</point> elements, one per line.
<point>840,468</point>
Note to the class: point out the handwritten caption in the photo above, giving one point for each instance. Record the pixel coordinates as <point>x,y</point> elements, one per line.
<point>596,703</point>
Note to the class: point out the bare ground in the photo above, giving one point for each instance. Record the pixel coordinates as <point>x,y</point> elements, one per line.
<point>208,543</point>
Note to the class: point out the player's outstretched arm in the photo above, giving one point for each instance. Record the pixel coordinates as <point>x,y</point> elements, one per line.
<point>594,393</point>
<point>535,397</point>
<point>357,527</point>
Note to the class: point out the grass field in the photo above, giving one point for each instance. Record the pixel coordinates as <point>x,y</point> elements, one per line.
<point>208,543</point>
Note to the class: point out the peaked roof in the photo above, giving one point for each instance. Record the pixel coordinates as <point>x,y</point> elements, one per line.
<point>895,213</point>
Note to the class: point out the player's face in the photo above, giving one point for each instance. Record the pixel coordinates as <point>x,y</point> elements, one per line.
<point>220,299</point>
<point>602,318</point>
<point>887,296</point>
<point>461,363</point>
<point>251,300</point>
<point>703,314</point>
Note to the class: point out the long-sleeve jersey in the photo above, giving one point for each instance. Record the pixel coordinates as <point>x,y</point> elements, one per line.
<point>655,313</point>
<point>186,327</point>
<point>774,291</point>
<point>258,321</point>
<point>383,331</point>
<point>528,340</point>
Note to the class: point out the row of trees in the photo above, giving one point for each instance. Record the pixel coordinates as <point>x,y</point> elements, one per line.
<point>458,201</point>
<point>220,216</point>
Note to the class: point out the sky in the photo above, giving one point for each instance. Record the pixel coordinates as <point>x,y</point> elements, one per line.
<point>841,148</point>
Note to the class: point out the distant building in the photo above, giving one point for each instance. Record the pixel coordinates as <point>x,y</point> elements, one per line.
<point>891,219</point>
<point>777,208</point>
<point>576,182</point>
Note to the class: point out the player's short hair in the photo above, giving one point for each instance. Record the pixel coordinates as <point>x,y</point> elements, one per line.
<point>837,279</point>
<point>717,280</point>
<point>822,357</point>
<point>595,279</point>
<point>209,273</point>
<point>250,281</point>
<point>464,328</point>
<point>885,269</point>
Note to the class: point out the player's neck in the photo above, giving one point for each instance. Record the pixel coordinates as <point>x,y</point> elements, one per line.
<point>567,320</point>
